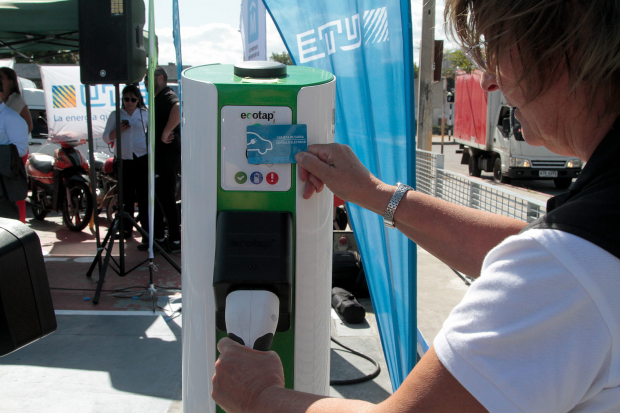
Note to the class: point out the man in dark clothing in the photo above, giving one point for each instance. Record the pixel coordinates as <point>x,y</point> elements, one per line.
<point>167,162</point>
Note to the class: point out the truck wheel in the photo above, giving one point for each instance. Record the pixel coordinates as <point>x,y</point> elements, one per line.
<point>562,183</point>
<point>497,170</point>
<point>474,169</point>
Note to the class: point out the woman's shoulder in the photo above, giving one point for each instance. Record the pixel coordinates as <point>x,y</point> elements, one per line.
<point>16,102</point>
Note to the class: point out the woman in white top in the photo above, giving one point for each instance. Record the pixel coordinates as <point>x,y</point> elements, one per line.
<point>134,120</point>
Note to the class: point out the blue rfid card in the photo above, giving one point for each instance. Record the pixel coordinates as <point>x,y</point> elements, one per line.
<point>271,144</point>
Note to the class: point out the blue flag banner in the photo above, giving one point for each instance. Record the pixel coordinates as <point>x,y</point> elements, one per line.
<point>364,44</point>
<point>176,36</point>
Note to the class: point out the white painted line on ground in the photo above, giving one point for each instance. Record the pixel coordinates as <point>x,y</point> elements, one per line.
<point>84,259</point>
<point>87,259</point>
<point>123,313</point>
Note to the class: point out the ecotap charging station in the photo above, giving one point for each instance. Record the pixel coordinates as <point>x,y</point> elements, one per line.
<point>257,257</point>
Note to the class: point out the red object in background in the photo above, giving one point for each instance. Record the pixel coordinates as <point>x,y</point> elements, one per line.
<point>46,178</point>
<point>338,201</point>
<point>470,109</point>
<point>108,166</point>
<point>272,178</point>
<point>22,204</point>
<point>62,160</point>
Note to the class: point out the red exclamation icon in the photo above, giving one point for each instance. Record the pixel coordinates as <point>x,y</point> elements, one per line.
<point>272,178</point>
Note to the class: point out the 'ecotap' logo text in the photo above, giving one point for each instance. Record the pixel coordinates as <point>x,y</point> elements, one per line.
<point>268,116</point>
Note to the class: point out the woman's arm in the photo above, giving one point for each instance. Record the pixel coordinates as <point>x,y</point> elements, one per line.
<point>249,381</point>
<point>173,120</point>
<point>109,133</point>
<point>25,113</point>
<point>459,236</point>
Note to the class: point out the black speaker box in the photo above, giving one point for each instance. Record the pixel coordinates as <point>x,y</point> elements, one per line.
<point>26,309</point>
<point>111,41</point>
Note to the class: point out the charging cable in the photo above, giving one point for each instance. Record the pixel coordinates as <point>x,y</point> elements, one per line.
<point>359,379</point>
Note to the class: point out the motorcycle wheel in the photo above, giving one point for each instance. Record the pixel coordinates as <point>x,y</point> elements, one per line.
<point>78,208</point>
<point>38,205</point>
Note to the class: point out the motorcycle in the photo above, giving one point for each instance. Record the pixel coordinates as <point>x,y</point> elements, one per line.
<point>107,191</point>
<point>60,183</point>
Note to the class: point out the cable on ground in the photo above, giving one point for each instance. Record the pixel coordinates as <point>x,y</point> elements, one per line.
<point>359,379</point>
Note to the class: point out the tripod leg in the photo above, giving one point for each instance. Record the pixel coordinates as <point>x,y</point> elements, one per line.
<point>119,154</point>
<point>106,261</point>
<point>155,244</point>
<point>101,248</point>
<point>151,286</point>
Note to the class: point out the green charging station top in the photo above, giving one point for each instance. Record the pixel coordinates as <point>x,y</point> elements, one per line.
<point>261,73</point>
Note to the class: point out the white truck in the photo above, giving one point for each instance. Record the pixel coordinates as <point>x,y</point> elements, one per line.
<point>36,104</point>
<point>490,143</point>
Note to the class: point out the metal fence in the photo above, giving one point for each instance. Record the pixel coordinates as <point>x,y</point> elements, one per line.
<point>459,189</point>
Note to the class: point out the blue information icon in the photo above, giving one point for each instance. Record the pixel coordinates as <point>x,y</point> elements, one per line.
<point>256,178</point>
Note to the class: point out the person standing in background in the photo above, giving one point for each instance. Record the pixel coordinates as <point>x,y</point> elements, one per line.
<point>167,163</point>
<point>134,119</point>
<point>13,131</point>
<point>14,100</point>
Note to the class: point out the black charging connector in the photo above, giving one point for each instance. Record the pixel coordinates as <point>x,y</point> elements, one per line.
<point>254,251</point>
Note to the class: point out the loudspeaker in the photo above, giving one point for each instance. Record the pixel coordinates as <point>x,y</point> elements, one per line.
<point>111,41</point>
<point>26,307</point>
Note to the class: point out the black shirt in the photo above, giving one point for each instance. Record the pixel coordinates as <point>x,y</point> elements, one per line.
<point>164,101</point>
<point>591,210</point>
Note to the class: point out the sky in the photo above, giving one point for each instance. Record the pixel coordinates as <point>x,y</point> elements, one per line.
<point>210,31</point>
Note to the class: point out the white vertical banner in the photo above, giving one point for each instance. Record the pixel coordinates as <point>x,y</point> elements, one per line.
<point>10,63</point>
<point>253,30</point>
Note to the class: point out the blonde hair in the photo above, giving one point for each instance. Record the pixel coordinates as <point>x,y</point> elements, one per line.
<point>553,37</point>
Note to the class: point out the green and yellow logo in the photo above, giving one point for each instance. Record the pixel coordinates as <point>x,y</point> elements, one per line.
<point>64,96</point>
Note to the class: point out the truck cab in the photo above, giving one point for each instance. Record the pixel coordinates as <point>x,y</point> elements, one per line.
<point>492,140</point>
<point>36,104</point>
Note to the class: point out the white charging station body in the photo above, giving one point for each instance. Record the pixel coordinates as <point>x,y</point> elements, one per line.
<point>204,117</point>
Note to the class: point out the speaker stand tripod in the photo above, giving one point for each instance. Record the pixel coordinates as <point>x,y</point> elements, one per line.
<point>117,225</point>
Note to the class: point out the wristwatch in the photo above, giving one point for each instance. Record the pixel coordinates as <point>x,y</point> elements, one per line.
<point>388,216</point>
